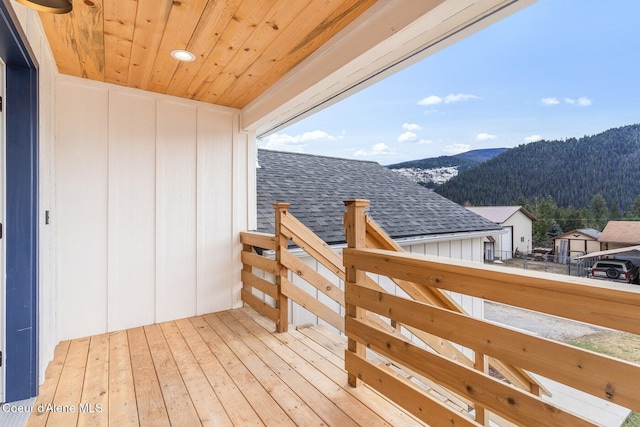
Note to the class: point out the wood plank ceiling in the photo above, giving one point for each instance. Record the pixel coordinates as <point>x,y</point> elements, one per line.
<point>242,47</point>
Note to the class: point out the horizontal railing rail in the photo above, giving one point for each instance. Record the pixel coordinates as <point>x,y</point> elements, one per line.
<point>282,265</point>
<point>611,379</point>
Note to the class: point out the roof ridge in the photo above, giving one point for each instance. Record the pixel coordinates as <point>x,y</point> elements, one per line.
<point>318,155</point>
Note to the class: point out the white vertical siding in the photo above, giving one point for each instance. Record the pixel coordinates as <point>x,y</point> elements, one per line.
<point>214,157</point>
<point>131,215</point>
<point>152,192</point>
<point>176,211</point>
<point>82,184</point>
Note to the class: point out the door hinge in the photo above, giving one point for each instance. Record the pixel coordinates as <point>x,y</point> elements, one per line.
<point>0,104</point>
<point>0,359</point>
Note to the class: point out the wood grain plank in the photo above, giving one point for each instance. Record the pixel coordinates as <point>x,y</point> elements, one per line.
<point>295,408</point>
<point>151,20</point>
<point>176,397</point>
<point>601,376</point>
<point>48,388</point>
<point>304,389</point>
<point>88,25</point>
<point>424,406</point>
<point>260,306</point>
<point>264,286</point>
<point>60,31</point>
<point>181,24</point>
<point>94,402</point>
<point>234,402</point>
<point>577,299</point>
<point>312,304</point>
<point>151,409</point>
<point>119,27</point>
<point>123,410</point>
<point>305,343</point>
<point>227,49</point>
<point>249,50</point>
<point>291,47</point>
<point>265,264</point>
<point>311,276</point>
<point>312,372</point>
<point>507,401</point>
<point>69,391</point>
<point>260,240</point>
<point>215,18</point>
<point>264,403</point>
<point>205,401</point>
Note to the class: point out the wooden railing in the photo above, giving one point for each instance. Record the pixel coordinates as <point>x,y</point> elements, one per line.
<point>268,284</point>
<point>277,287</point>
<point>608,378</point>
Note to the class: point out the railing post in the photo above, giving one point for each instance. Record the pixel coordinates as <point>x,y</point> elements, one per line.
<point>282,302</point>
<point>481,364</point>
<point>355,228</point>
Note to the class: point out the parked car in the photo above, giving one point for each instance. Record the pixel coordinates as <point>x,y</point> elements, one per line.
<point>619,270</point>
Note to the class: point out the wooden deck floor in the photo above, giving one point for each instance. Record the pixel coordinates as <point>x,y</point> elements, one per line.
<point>214,370</point>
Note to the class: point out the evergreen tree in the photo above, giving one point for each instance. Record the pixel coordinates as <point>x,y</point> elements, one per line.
<point>600,212</point>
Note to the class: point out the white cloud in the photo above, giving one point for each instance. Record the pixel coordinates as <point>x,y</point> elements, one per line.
<point>550,101</point>
<point>411,127</point>
<point>430,100</point>
<point>407,137</point>
<point>583,101</point>
<point>379,149</point>
<point>457,97</point>
<point>425,141</point>
<point>452,97</point>
<point>485,136</point>
<point>456,148</point>
<point>294,143</point>
<point>532,138</point>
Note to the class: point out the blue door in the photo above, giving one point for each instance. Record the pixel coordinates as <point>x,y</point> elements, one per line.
<point>20,230</point>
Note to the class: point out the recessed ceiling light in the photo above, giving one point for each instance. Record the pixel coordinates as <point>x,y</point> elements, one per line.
<point>183,55</point>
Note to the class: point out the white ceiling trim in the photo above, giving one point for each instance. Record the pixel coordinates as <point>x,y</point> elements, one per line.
<point>390,36</point>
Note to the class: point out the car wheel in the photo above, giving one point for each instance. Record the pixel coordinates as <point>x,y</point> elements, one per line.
<point>612,273</point>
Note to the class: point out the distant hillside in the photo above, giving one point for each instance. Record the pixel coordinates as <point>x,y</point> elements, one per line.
<point>571,171</point>
<point>480,156</point>
<point>434,171</point>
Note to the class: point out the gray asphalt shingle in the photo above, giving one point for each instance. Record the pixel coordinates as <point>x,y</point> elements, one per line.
<point>316,186</point>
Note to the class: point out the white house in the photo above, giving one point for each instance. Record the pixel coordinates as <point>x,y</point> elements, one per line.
<point>517,223</point>
<point>127,175</point>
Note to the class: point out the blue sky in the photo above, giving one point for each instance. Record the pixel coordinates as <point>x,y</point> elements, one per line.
<point>556,69</point>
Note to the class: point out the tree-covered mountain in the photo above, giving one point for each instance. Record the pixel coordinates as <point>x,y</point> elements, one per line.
<point>571,171</point>
<point>434,171</point>
<point>462,161</point>
<point>481,155</point>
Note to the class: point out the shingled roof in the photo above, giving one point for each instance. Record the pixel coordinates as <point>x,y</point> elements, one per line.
<point>316,186</point>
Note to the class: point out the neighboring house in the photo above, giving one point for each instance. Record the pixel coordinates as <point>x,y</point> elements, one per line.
<point>418,219</point>
<point>577,242</point>
<point>128,176</point>
<point>620,234</point>
<point>517,223</point>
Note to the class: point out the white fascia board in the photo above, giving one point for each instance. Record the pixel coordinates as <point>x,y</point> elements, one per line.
<point>390,36</point>
<point>408,241</point>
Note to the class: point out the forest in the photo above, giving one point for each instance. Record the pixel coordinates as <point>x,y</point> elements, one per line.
<point>565,184</point>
